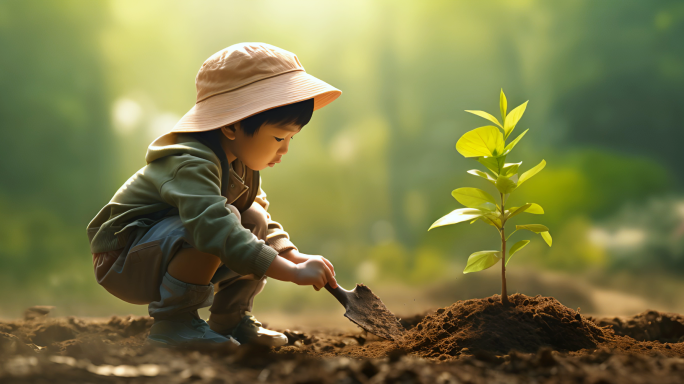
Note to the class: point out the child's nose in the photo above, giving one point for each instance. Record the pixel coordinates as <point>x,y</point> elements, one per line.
<point>283,149</point>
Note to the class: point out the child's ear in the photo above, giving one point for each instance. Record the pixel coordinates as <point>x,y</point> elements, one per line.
<point>229,130</point>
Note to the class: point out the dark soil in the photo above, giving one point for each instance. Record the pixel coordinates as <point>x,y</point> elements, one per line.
<point>475,341</point>
<point>647,326</point>
<point>486,325</point>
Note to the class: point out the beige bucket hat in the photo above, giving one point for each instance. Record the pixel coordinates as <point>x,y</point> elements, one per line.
<point>247,78</point>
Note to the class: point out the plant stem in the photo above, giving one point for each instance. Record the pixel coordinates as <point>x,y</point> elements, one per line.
<point>504,293</point>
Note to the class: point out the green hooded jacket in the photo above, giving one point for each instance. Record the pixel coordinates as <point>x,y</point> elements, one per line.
<point>184,176</point>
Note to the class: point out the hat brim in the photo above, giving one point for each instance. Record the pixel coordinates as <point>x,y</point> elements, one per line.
<point>230,107</point>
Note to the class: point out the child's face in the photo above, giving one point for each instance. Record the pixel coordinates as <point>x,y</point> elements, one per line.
<point>265,148</point>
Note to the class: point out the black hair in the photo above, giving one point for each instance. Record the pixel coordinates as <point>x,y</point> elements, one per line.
<point>297,113</point>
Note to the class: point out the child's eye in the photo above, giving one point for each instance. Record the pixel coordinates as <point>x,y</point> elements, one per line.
<point>278,139</point>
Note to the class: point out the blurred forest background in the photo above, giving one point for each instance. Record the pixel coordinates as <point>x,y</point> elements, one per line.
<point>85,86</point>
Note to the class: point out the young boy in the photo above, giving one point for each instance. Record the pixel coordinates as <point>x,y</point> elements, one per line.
<point>195,216</point>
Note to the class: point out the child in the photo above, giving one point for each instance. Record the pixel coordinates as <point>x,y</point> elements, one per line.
<point>195,216</point>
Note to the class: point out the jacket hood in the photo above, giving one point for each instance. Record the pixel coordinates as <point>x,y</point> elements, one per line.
<point>173,144</point>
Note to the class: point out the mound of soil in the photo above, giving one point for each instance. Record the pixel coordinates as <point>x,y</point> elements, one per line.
<point>485,325</point>
<point>647,326</point>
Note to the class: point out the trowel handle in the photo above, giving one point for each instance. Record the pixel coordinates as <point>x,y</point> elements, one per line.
<point>339,293</point>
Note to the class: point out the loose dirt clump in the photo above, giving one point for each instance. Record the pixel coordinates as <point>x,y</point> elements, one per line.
<point>44,334</point>
<point>647,326</point>
<point>486,326</point>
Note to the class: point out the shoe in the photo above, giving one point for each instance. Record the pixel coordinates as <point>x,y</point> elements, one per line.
<point>250,331</point>
<point>185,328</point>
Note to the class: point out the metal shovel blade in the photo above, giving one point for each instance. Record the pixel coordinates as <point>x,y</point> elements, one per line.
<point>368,311</point>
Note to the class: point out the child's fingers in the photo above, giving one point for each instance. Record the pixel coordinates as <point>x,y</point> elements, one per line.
<point>330,278</point>
<point>329,264</point>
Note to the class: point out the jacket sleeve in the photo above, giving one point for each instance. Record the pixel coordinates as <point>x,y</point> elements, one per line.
<point>276,236</point>
<point>195,190</point>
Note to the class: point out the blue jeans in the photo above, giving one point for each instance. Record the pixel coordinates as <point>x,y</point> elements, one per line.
<point>135,273</point>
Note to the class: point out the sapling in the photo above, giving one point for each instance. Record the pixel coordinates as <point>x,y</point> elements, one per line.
<point>488,145</point>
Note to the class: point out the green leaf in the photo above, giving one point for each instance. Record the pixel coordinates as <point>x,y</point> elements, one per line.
<point>531,172</point>
<point>470,222</point>
<point>457,216</point>
<point>518,210</point>
<point>494,164</point>
<point>483,141</point>
<point>490,222</point>
<point>535,209</point>
<point>536,228</point>
<point>495,218</point>
<point>513,118</point>
<point>511,234</point>
<point>474,198</point>
<point>505,184</point>
<point>510,169</point>
<point>483,175</point>
<point>512,144</point>
<point>515,248</point>
<point>515,180</point>
<point>479,261</point>
<point>486,116</point>
<point>503,105</point>
<point>547,237</point>
<point>491,163</point>
<point>529,208</point>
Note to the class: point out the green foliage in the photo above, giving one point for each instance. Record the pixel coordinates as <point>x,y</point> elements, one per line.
<point>58,154</point>
<point>503,105</point>
<point>488,144</point>
<point>536,228</point>
<point>527,175</point>
<point>474,198</point>
<point>483,141</point>
<point>579,251</point>
<point>510,169</point>
<point>54,113</point>
<point>505,185</point>
<point>457,216</point>
<point>483,175</point>
<point>513,118</point>
<point>479,261</point>
<point>515,248</point>
<point>493,164</point>
<point>535,209</point>
<point>487,116</point>
<point>518,210</point>
<point>512,144</point>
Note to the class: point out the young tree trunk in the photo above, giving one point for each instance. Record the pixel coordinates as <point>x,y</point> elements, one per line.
<point>504,293</point>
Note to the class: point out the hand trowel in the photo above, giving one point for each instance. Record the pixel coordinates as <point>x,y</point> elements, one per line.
<point>368,312</point>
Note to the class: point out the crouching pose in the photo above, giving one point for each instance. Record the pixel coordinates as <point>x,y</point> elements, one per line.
<point>191,229</point>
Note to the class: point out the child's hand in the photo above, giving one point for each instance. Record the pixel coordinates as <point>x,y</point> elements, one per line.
<point>297,257</point>
<point>316,271</point>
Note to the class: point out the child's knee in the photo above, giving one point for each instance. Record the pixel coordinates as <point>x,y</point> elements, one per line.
<point>193,266</point>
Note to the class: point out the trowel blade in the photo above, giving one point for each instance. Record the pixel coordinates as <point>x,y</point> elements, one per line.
<point>369,312</point>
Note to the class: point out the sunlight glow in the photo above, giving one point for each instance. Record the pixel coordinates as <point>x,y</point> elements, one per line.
<point>126,115</point>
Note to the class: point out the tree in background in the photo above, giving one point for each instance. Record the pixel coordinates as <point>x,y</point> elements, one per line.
<point>56,140</point>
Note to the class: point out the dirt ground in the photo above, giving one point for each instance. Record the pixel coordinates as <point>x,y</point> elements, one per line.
<point>537,340</point>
